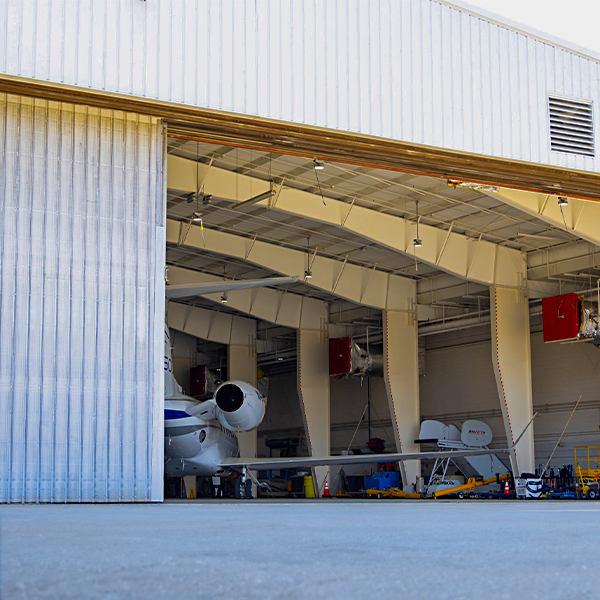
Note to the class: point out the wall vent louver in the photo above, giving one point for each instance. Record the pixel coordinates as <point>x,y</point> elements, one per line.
<point>571,126</point>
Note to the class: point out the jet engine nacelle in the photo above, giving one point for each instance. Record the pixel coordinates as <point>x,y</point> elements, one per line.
<point>240,406</point>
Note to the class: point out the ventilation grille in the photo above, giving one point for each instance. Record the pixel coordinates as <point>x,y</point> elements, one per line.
<point>571,126</point>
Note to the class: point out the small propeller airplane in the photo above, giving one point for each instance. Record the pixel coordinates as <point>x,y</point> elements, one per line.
<point>200,436</point>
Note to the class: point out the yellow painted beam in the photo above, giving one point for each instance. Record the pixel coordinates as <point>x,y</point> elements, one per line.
<point>579,217</point>
<point>471,259</point>
<point>352,282</point>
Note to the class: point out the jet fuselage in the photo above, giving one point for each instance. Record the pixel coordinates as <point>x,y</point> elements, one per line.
<point>194,446</point>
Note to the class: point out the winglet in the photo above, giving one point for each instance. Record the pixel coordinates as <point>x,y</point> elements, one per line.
<point>523,432</point>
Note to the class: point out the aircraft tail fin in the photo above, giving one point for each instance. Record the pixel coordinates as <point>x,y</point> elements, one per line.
<point>172,388</point>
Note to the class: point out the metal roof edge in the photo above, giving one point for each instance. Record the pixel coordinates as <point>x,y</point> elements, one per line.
<point>521,28</point>
<point>270,135</point>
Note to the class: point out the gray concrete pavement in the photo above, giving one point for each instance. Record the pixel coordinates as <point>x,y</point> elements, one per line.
<point>295,550</point>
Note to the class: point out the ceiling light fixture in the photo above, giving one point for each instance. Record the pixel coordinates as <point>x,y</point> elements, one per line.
<point>319,165</point>
<point>417,241</point>
<point>255,199</point>
<point>308,272</point>
<point>277,357</point>
<point>197,216</point>
<point>562,201</point>
<point>224,298</point>
<point>260,197</point>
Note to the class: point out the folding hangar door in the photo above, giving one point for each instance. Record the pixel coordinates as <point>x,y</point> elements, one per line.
<point>81,303</point>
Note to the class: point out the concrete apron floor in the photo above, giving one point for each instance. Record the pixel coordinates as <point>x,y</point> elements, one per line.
<point>301,549</point>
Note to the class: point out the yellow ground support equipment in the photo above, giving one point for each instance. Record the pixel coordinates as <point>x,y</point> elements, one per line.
<point>471,484</point>
<point>372,493</point>
<point>397,493</point>
<point>586,487</point>
<point>587,469</point>
<point>587,460</point>
<point>392,493</point>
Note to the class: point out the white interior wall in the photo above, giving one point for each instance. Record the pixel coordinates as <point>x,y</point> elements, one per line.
<point>459,380</point>
<point>561,373</point>
<point>348,401</point>
<point>283,417</point>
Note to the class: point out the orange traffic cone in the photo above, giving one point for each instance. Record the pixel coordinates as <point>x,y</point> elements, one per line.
<point>326,493</point>
<point>506,487</point>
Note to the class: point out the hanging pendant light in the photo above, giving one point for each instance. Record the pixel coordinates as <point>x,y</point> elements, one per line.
<point>417,241</point>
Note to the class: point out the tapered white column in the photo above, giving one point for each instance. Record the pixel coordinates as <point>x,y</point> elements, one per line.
<point>401,374</point>
<point>511,355</point>
<point>313,391</point>
<point>241,365</point>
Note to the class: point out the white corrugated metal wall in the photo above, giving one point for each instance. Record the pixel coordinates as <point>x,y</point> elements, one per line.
<point>81,304</point>
<point>413,70</point>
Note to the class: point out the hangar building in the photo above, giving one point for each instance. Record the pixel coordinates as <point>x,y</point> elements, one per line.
<point>459,187</point>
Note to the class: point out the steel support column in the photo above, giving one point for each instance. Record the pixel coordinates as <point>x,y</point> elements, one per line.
<point>241,365</point>
<point>511,355</point>
<point>313,391</point>
<point>401,374</point>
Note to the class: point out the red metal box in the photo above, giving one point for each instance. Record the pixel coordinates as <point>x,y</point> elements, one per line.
<point>339,356</point>
<point>561,316</point>
<point>197,381</point>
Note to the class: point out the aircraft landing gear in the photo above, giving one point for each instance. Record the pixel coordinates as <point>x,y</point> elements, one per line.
<point>239,490</point>
<point>218,488</point>
<point>243,486</point>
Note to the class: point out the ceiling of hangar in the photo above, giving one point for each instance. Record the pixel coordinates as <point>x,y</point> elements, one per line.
<point>469,212</point>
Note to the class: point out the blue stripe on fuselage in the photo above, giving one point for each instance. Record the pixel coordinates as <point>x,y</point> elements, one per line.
<point>175,414</point>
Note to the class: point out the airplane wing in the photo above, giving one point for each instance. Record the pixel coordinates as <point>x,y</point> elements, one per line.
<point>189,290</point>
<point>354,459</point>
<point>357,459</point>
